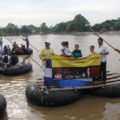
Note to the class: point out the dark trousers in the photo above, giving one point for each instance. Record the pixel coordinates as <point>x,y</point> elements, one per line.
<point>27,45</point>
<point>103,71</point>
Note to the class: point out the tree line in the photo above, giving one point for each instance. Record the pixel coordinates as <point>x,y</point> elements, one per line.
<point>78,24</point>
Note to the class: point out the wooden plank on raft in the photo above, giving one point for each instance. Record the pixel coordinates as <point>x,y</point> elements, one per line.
<point>87,87</point>
<point>108,82</point>
<point>112,79</point>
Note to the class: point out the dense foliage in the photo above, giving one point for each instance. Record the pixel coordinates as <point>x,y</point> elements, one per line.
<point>78,24</point>
<point>108,25</point>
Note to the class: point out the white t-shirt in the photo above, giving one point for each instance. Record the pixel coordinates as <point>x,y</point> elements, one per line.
<point>9,57</point>
<point>62,50</point>
<point>103,49</point>
<point>67,51</point>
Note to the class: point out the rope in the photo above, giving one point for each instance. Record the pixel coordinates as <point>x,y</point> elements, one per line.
<point>34,48</point>
<point>37,63</point>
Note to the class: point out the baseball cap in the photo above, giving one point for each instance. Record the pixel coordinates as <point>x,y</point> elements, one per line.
<point>47,42</point>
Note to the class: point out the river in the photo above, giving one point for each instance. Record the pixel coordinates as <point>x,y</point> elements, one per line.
<point>86,108</point>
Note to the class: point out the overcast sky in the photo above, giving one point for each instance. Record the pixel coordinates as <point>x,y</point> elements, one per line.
<point>25,12</point>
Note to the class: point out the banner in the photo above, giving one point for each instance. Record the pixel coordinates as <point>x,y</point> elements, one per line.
<point>70,72</point>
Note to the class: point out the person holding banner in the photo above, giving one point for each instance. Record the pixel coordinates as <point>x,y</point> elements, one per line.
<point>92,52</point>
<point>104,52</point>
<point>46,53</point>
<point>77,52</point>
<point>67,52</point>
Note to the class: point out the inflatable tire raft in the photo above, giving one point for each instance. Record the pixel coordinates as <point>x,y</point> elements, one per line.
<point>17,70</point>
<point>52,98</point>
<point>29,51</point>
<point>112,91</point>
<point>3,105</point>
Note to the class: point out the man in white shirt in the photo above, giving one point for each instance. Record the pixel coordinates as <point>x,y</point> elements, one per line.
<point>104,52</point>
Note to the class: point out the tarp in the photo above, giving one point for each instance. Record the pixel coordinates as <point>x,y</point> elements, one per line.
<point>72,72</point>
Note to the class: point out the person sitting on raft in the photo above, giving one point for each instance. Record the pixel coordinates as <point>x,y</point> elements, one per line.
<point>46,53</point>
<point>14,59</point>
<point>24,49</point>
<point>6,60</point>
<point>92,51</point>
<point>77,52</point>
<point>15,45</point>
<point>67,52</point>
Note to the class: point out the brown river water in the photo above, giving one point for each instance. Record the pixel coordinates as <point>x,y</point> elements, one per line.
<point>86,108</point>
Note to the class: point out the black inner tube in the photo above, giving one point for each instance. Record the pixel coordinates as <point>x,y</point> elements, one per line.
<point>53,98</point>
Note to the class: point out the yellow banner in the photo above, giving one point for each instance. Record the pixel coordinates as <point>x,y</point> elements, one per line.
<point>61,61</point>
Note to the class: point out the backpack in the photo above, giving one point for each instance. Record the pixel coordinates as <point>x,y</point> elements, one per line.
<point>5,59</point>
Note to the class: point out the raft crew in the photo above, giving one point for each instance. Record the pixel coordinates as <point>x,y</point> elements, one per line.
<point>46,53</point>
<point>104,52</point>
<point>27,41</point>
<point>77,52</point>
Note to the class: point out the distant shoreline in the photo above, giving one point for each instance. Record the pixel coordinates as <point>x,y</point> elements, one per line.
<point>62,33</point>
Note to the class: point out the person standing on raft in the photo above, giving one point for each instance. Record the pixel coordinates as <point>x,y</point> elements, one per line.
<point>92,51</point>
<point>46,53</point>
<point>27,42</point>
<point>104,52</point>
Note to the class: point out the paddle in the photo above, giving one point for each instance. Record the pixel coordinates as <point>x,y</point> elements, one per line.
<point>117,50</point>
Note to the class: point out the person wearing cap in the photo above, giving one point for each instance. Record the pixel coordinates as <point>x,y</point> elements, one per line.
<point>104,52</point>
<point>46,53</point>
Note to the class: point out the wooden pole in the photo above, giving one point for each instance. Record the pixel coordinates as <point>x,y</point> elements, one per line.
<point>33,47</point>
<point>105,41</point>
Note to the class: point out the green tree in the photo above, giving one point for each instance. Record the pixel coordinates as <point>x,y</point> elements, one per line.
<point>25,30</point>
<point>79,24</point>
<point>11,29</point>
<point>44,28</point>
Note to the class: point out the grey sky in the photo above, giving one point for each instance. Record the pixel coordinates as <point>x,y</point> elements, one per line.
<point>52,12</point>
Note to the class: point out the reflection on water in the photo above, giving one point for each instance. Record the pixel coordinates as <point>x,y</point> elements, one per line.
<point>87,108</point>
